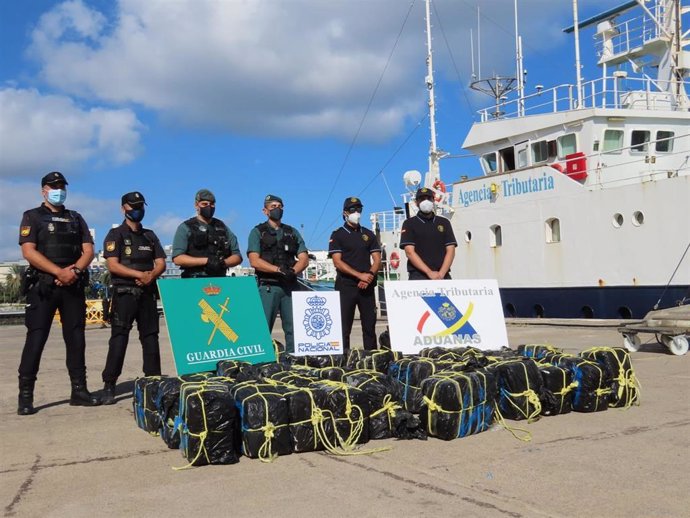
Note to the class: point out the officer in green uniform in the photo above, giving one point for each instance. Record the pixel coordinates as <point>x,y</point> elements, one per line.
<point>278,254</point>
<point>204,246</point>
<point>135,259</point>
<point>58,246</point>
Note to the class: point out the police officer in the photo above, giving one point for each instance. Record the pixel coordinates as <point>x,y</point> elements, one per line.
<point>204,246</point>
<point>135,259</point>
<point>356,255</point>
<point>58,246</point>
<point>428,241</point>
<point>278,254</point>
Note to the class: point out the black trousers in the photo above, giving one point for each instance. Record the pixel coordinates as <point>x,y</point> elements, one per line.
<point>126,307</point>
<point>416,275</point>
<point>352,297</point>
<point>42,301</point>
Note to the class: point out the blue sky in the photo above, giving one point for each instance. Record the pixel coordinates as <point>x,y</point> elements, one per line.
<point>248,98</point>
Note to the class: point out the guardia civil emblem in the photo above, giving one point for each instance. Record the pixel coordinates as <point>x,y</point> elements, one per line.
<point>447,312</point>
<point>317,319</point>
<point>440,228</point>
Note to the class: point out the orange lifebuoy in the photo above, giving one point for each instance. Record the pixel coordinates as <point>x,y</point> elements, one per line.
<point>439,186</point>
<point>558,167</point>
<point>394,260</point>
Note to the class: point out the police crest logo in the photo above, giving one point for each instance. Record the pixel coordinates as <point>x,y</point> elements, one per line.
<point>110,246</point>
<point>354,200</point>
<point>25,231</point>
<point>51,227</point>
<point>128,250</point>
<point>440,228</point>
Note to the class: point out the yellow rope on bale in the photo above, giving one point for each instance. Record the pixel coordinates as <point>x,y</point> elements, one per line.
<point>628,385</point>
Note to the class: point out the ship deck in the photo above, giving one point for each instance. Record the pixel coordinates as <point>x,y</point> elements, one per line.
<point>74,461</point>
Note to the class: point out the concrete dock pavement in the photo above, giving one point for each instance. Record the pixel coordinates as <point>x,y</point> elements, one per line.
<point>85,462</point>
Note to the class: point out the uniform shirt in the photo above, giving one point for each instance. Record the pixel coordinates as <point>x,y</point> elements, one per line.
<point>114,246</point>
<point>356,246</point>
<point>31,229</point>
<point>430,238</point>
<point>181,240</point>
<point>254,244</point>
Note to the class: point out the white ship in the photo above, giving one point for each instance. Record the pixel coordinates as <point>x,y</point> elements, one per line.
<point>583,209</point>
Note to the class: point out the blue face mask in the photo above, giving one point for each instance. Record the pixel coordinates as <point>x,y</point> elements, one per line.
<point>56,197</point>
<point>135,215</point>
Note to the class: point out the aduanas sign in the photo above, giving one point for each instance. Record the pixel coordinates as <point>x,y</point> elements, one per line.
<point>451,313</point>
<point>215,318</point>
<point>317,325</point>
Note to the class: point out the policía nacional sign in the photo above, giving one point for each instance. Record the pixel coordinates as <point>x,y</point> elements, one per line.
<point>450,313</point>
<point>215,318</point>
<point>316,318</point>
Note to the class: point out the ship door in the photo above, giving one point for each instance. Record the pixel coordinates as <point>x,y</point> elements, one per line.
<point>507,155</point>
<point>522,158</point>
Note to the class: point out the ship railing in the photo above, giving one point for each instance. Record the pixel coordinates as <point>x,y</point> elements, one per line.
<point>389,220</point>
<point>605,92</point>
<point>630,35</point>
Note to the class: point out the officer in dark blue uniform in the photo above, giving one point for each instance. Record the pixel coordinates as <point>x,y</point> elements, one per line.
<point>356,255</point>
<point>428,241</point>
<point>58,246</point>
<point>204,246</point>
<point>135,259</point>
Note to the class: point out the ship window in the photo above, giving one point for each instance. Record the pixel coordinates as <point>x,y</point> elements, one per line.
<point>507,159</point>
<point>638,218</point>
<point>495,237</point>
<point>489,162</point>
<point>567,145</point>
<point>617,220</point>
<point>613,141</point>
<point>553,230</point>
<point>639,140</point>
<point>553,149</point>
<point>468,236</point>
<point>522,158</point>
<point>540,151</point>
<point>664,141</point>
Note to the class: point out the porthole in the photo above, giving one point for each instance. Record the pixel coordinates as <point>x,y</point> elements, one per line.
<point>468,236</point>
<point>617,220</point>
<point>538,311</point>
<point>587,312</point>
<point>510,310</point>
<point>638,218</point>
<point>624,312</point>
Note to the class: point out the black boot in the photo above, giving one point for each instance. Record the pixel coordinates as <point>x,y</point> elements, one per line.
<point>25,405</point>
<point>80,394</point>
<point>108,397</point>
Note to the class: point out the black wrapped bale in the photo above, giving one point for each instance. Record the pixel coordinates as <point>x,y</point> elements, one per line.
<point>520,387</point>
<point>625,389</point>
<point>294,378</point>
<point>264,421</point>
<point>144,403</point>
<point>537,351</point>
<point>384,401</point>
<point>230,368</point>
<point>378,360</point>
<point>443,353</point>
<point>210,428</point>
<point>307,427</point>
<point>348,408</point>
<point>168,406</point>
<point>458,404</point>
<point>593,390</point>
<point>557,397</point>
<point>409,372</point>
<point>355,356</point>
<point>385,340</point>
<point>333,373</point>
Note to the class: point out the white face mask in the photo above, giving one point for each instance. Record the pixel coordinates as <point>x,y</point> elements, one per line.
<point>426,206</point>
<point>354,218</point>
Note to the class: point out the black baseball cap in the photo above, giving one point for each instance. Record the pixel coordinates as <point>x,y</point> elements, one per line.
<point>352,202</point>
<point>423,193</point>
<point>133,198</point>
<point>54,177</point>
<point>272,197</point>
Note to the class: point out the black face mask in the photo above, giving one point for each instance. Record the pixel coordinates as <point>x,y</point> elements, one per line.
<point>276,214</point>
<point>135,215</point>
<point>207,212</point>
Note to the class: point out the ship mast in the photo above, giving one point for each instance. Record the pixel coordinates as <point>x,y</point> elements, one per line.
<point>435,154</point>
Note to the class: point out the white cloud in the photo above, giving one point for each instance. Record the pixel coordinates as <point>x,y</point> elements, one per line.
<point>39,133</point>
<point>298,68</point>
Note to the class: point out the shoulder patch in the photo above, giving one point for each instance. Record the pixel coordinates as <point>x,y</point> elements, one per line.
<point>365,237</point>
<point>440,228</point>
<point>25,231</point>
<point>110,246</point>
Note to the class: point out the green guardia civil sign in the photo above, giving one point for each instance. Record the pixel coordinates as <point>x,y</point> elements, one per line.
<point>215,318</point>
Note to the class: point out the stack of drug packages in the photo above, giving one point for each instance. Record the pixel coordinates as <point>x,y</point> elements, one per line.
<point>315,403</point>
